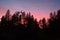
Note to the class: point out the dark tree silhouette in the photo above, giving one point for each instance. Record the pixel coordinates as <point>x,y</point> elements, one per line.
<point>24,26</point>
<point>7,15</point>
<point>44,23</point>
<point>54,26</point>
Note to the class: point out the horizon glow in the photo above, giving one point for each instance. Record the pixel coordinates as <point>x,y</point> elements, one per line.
<point>38,8</point>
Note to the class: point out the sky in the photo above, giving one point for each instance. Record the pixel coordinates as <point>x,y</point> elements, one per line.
<point>38,8</point>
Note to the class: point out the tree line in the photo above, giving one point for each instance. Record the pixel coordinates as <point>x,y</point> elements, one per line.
<point>24,26</point>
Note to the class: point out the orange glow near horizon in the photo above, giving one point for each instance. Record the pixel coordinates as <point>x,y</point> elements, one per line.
<point>38,8</point>
<point>36,14</point>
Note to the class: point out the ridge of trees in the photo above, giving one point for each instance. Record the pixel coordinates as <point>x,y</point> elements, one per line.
<point>22,25</point>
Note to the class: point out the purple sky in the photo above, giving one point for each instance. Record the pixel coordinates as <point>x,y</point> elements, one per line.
<point>39,8</point>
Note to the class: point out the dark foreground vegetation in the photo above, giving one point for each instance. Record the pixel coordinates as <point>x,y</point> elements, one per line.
<point>22,26</point>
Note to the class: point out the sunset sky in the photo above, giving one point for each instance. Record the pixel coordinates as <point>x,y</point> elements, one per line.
<point>38,8</point>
